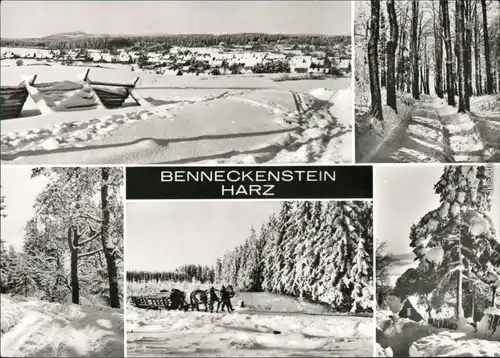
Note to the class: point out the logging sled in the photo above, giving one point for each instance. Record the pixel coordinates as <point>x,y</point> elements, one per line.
<point>178,300</point>
<point>65,96</point>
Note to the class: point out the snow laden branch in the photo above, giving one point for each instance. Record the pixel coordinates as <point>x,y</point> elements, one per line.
<point>457,240</point>
<point>70,233</point>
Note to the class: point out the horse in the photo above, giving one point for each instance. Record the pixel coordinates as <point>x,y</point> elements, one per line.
<point>204,296</point>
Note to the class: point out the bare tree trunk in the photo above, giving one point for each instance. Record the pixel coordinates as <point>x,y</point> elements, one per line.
<point>414,49</point>
<point>467,42</point>
<point>489,80</point>
<point>460,53</point>
<point>450,84</point>
<point>401,68</point>
<point>392,45</point>
<point>477,52</point>
<point>493,296</point>
<point>438,52</point>
<point>376,97</point>
<point>383,50</point>
<point>425,70</point>
<point>109,254</point>
<point>75,285</point>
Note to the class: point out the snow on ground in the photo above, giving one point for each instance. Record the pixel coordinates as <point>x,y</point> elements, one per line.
<point>51,329</point>
<point>432,131</point>
<point>448,344</point>
<point>328,136</point>
<point>372,136</point>
<point>194,122</point>
<point>486,105</point>
<point>270,325</point>
<point>465,140</point>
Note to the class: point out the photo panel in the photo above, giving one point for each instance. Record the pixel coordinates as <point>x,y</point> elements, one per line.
<point>235,276</point>
<point>427,81</point>
<point>62,243</point>
<point>437,230</point>
<point>192,82</point>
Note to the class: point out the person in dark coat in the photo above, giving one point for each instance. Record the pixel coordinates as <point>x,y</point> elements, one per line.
<point>226,300</point>
<point>213,295</point>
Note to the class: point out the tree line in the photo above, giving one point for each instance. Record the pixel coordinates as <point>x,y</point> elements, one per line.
<point>165,42</point>
<point>198,273</point>
<point>72,246</point>
<point>453,38</point>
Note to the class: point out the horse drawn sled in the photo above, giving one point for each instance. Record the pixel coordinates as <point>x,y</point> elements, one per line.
<point>176,299</point>
<point>165,300</point>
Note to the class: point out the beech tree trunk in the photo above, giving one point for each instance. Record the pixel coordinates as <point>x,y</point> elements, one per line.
<point>392,45</point>
<point>438,53</point>
<point>467,43</point>
<point>401,67</point>
<point>414,49</point>
<point>477,53</point>
<point>109,254</point>
<point>460,53</point>
<point>450,83</point>
<point>376,98</point>
<point>383,50</point>
<point>489,79</point>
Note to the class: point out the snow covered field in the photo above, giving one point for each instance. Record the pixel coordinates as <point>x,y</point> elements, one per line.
<point>235,119</point>
<point>304,330</point>
<point>33,328</point>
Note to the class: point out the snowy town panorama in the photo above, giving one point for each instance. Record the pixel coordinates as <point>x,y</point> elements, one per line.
<point>291,95</point>
<point>242,53</point>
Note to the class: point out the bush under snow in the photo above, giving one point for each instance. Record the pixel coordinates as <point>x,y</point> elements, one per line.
<point>444,345</point>
<point>11,313</point>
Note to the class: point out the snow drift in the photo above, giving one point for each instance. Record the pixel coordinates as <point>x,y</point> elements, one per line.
<point>51,329</point>
<point>443,345</point>
<point>11,313</point>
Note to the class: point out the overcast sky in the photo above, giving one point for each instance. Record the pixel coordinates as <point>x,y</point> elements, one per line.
<point>42,18</point>
<point>405,193</point>
<point>20,192</point>
<point>161,236</point>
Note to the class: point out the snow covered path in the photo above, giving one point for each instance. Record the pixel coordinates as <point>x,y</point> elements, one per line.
<point>433,132</point>
<point>164,333</point>
<point>56,330</point>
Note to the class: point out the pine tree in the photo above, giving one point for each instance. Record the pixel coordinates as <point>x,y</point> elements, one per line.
<point>459,235</point>
<point>279,258</point>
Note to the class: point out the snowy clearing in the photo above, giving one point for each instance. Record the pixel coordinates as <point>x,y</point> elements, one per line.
<point>55,330</point>
<point>446,345</point>
<point>304,330</point>
<point>192,119</point>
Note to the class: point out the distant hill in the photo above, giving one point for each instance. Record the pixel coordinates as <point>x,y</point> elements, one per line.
<point>404,257</point>
<point>71,35</point>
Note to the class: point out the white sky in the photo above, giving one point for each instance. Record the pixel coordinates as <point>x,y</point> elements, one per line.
<point>20,192</point>
<point>405,193</point>
<point>161,236</point>
<point>42,18</point>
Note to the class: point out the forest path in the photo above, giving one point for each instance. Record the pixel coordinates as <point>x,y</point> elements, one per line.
<point>432,132</point>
